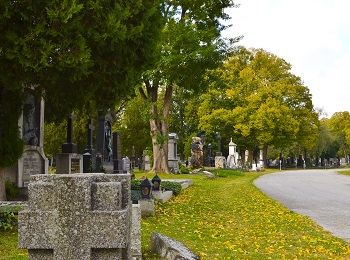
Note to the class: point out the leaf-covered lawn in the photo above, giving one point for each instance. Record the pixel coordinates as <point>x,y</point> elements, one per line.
<point>229,218</point>
<point>8,246</point>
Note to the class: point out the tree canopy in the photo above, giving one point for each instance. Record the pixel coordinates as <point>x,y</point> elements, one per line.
<point>190,46</point>
<point>76,53</point>
<point>259,103</point>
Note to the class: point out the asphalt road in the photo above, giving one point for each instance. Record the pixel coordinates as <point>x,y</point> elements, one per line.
<point>322,195</point>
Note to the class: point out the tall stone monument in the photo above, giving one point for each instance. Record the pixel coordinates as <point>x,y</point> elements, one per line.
<point>77,216</point>
<point>104,150</point>
<point>197,157</point>
<point>233,156</point>
<point>33,160</point>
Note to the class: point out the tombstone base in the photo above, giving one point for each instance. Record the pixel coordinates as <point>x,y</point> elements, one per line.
<point>67,163</point>
<point>69,148</point>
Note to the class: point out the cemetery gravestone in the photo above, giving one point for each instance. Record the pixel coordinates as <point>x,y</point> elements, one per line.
<point>126,165</point>
<point>89,156</point>
<point>69,161</point>
<point>33,160</point>
<point>233,156</point>
<point>147,161</point>
<point>104,151</point>
<point>117,157</point>
<point>197,158</point>
<point>173,161</point>
<point>220,161</point>
<point>77,216</point>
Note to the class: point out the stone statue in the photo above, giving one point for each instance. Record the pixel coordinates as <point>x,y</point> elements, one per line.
<point>29,124</point>
<point>108,140</point>
<point>197,157</point>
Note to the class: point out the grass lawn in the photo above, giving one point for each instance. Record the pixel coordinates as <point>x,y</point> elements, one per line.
<point>344,172</point>
<point>8,246</point>
<point>227,218</point>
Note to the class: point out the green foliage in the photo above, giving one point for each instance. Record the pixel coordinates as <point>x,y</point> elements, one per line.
<point>264,103</point>
<point>11,189</point>
<point>55,135</point>
<point>183,169</point>
<point>11,144</point>
<point>190,46</point>
<point>8,220</point>
<point>135,195</point>
<point>175,187</point>
<point>135,184</point>
<point>134,127</point>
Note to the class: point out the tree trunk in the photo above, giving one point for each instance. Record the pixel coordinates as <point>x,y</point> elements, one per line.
<point>158,125</point>
<point>160,150</point>
<point>2,184</point>
<point>265,156</point>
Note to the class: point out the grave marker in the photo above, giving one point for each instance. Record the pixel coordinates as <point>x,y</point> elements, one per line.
<point>77,216</point>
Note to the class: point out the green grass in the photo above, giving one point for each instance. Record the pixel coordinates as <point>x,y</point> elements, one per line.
<point>8,246</point>
<point>227,218</point>
<point>344,172</point>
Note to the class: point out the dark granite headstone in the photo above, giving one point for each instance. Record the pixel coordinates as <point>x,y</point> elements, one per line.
<point>117,157</point>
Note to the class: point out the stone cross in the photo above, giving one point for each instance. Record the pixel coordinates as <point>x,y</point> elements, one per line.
<point>77,216</point>
<point>69,146</point>
<point>90,128</point>
<point>69,130</point>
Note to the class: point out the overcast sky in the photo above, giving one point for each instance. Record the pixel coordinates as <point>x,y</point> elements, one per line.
<point>312,35</point>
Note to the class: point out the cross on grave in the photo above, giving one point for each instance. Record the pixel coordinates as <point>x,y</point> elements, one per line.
<point>69,146</point>
<point>90,128</point>
<point>69,130</point>
<point>77,217</point>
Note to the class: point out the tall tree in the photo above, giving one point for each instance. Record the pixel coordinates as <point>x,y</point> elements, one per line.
<point>263,103</point>
<point>339,124</point>
<point>190,45</point>
<point>75,52</point>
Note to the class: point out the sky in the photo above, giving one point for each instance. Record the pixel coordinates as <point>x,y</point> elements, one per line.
<point>312,35</point>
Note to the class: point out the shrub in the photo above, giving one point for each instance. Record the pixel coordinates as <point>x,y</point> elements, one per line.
<point>183,169</point>
<point>135,184</point>
<point>8,220</point>
<point>135,196</point>
<point>11,190</point>
<point>175,187</point>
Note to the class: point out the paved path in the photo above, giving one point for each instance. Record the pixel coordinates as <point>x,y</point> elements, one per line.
<point>322,195</point>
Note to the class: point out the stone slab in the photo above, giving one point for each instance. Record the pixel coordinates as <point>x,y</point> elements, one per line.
<point>162,196</point>
<point>147,207</point>
<point>136,250</point>
<point>170,249</point>
<point>185,183</point>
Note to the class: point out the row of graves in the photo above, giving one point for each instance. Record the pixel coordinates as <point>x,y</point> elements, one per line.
<point>71,215</point>
<point>106,157</point>
<point>202,155</point>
